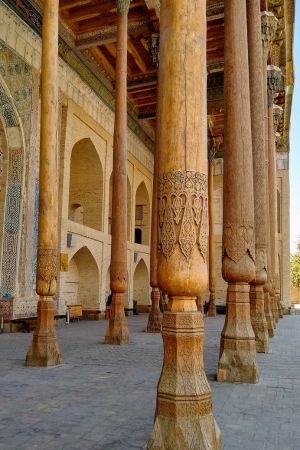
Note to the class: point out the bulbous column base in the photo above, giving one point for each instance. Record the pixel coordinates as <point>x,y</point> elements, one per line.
<point>237,361</point>
<point>154,320</point>
<point>184,418</point>
<point>258,319</point>
<point>44,351</point>
<point>269,314</point>
<point>212,309</point>
<point>280,309</point>
<point>117,332</point>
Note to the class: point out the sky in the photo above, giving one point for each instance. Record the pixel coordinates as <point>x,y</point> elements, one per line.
<point>295,141</point>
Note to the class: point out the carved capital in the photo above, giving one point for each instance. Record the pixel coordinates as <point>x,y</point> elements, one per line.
<point>274,81</point>
<point>213,146</point>
<point>153,44</point>
<point>269,24</point>
<point>277,116</point>
<point>183,213</point>
<point>123,6</point>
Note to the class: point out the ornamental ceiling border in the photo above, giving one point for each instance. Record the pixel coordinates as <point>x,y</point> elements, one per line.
<point>33,19</point>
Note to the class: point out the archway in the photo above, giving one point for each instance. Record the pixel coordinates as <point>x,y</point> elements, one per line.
<point>86,185</point>
<point>82,283</point>
<point>142,215</point>
<point>141,290</point>
<point>128,208</point>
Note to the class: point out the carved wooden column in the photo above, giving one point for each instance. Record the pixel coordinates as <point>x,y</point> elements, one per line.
<point>184,418</point>
<point>269,25</point>
<point>274,81</point>
<point>238,349</point>
<point>213,146</point>
<point>154,320</point>
<point>44,348</point>
<point>258,319</point>
<point>117,332</point>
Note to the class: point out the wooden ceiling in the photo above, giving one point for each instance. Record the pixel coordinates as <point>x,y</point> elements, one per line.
<point>93,23</point>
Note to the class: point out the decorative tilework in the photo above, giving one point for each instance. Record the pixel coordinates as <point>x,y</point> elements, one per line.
<point>6,109</point>
<point>12,219</point>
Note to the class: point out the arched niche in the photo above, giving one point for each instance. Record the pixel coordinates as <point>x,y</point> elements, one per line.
<point>11,186</point>
<point>86,185</point>
<point>128,208</point>
<point>142,215</point>
<point>82,282</point>
<point>141,286</point>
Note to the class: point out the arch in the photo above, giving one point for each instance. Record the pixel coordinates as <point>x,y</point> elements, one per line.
<point>128,208</point>
<point>142,215</point>
<point>86,185</point>
<point>82,282</point>
<point>141,290</point>
<point>12,174</point>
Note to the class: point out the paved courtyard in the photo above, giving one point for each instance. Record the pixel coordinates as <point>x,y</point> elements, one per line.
<point>103,397</point>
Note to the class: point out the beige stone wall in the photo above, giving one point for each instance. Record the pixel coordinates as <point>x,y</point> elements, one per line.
<point>83,116</point>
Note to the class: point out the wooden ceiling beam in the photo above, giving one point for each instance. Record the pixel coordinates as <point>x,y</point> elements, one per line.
<point>68,4</point>
<point>90,12</point>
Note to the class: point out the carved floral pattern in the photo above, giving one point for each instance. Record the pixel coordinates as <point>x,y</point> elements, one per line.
<point>238,240</point>
<point>47,264</point>
<point>182,208</point>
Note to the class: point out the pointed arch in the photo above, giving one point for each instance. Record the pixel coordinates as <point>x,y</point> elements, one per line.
<point>86,185</point>
<point>12,149</point>
<point>141,290</point>
<point>82,282</point>
<point>142,215</point>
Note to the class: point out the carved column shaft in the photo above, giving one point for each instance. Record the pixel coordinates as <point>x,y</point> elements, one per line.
<point>238,350</point>
<point>184,403</point>
<point>44,349</point>
<point>269,24</point>
<point>258,319</point>
<point>117,332</point>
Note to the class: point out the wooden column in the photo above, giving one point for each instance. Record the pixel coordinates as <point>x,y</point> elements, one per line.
<point>274,80</point>
<point>213,146</point>
<point>44,348</point>
<point>238,349</point>
<point>184,418</point>
<point>258,319</point>
<point>117,332</point>
<point>154,320</point>
<point>269,25</point>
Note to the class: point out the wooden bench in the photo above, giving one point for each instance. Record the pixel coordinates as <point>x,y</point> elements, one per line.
<point>75,311</point>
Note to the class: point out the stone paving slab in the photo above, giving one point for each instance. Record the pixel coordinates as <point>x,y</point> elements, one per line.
<point>103,397</point>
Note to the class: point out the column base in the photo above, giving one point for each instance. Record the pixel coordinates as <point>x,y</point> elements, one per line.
<point>184,418</point>
<point>212,309</point>
<point>280,310</point>
<point>274,310</point>
<point>117,332</point>
<point>269,314</point>
<point>154,320</point>
<point>237,361</point>
<point>44,351</point>
<point>258,319</point>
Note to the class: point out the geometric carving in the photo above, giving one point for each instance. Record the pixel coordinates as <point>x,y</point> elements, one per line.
<point>183,213</point>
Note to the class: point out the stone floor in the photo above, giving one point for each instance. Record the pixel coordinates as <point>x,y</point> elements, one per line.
<point>103,397</point>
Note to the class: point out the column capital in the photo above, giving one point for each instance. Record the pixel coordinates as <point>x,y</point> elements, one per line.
<point>277,115</point>
<point>274,80</point>
<point>123,6</point>
<point>153,44</point>
<point>213,146</point>
<point>269,24</point>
